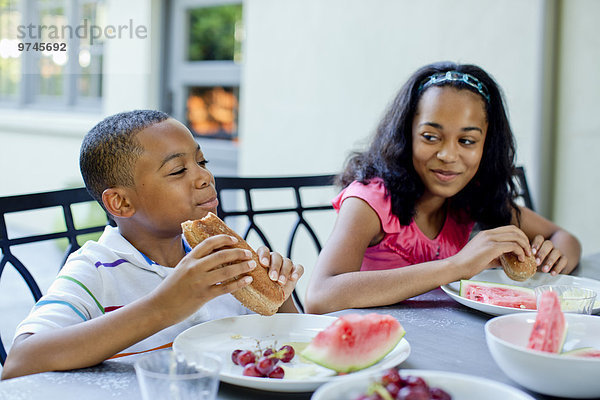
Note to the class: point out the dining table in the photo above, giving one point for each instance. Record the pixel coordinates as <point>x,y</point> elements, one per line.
<point>443,334</point>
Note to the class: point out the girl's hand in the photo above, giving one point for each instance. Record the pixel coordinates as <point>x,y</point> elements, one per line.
<point>485,248</point>
<point>281,269</point>
<point>547,256</point>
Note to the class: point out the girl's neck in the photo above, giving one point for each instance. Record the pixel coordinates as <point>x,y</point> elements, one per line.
<point>430,215</point>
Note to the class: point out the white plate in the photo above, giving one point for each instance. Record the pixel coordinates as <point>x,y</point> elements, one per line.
<point>223,336</point>
<point>497,275</point>
<point>459,386</point>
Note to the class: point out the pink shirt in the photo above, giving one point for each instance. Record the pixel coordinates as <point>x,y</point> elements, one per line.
<point>403,245</point>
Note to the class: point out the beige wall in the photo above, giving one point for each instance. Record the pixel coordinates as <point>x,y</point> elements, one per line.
<point>39,150</point>
<point>317,79</point>
<point>577,189</point>
<point>318,75</point>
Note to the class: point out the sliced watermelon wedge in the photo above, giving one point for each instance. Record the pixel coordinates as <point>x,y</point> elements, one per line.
<point>354,342</point>
<point>583,352</point>
<point>498,294</point>
<point>550,328</point>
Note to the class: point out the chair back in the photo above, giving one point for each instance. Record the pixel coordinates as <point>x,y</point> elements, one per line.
<point>295,203</point>
<point>522,187</point>
<point>62,222</point>
<point>68,225</point>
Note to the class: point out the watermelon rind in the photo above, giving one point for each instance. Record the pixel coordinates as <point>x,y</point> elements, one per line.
<point>587,352</point>
<point>323,357</point>
<point>314,357</point>
<point>465,282</point>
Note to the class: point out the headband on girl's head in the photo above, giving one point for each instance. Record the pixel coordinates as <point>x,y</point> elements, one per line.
<point>455,76</point>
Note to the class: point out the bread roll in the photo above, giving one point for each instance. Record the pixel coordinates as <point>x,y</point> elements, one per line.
<point>262,296</point>
<point>516,270</point>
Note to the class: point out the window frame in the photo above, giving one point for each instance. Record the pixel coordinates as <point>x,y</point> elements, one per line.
<point>183,74</point>
<point>27,96</point>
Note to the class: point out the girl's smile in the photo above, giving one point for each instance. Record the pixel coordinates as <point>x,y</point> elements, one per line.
<point>448,133</point>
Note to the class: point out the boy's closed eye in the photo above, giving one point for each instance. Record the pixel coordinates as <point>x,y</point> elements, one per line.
<point>180,171</point>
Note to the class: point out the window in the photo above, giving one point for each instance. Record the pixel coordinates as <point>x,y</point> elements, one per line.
<point>204,70</point>
<point>50,55</point>
<point>212,111</point>
<point>10,57</point>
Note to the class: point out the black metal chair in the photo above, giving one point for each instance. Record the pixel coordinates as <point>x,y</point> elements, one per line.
<point>299,208</point>
<point>249,210</point>
<point>64,199</point>
<point>522,187</point>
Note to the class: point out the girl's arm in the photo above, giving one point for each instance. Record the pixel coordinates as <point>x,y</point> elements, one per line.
<point>555,249</point>
<point>337,282</point>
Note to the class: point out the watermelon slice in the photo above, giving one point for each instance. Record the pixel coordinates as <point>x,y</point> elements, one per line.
<point>354,342</point>
<point>549,329</point>
<point>498,294</point>
<point>583,352</point>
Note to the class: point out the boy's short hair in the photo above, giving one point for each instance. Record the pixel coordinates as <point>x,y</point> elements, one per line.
<point>110,150</point>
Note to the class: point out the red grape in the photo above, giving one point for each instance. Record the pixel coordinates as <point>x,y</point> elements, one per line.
<point>251,370</point>
<point>391,376</point>
<point>392,389</point>
<point>288,353</point>
<point>439,394</point>
<point>413,393</point>
<point>276,373</point>
<point>234,356</point>
<point>246,357</point>
<point>266,364</point>
<point>268,352</point>
<point>416,381</point>
<point>408,387</point>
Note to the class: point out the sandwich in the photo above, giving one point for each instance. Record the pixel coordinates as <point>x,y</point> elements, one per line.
<point>517,270</point>
<point>262,296</point>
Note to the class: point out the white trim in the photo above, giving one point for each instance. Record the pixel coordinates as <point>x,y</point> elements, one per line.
<point>38,122</point>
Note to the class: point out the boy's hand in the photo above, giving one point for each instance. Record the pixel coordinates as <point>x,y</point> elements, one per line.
<point>201,276</point>
<point>281,270</point>
<point>548,257</point>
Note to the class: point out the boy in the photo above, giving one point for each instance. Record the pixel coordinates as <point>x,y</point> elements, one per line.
<point>140,285</point>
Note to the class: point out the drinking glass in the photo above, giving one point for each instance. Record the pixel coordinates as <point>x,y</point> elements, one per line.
<point>573,299</point>
<point>166,375</point>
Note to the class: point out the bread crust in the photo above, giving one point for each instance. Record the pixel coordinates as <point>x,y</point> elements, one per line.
<point>517,270</point>
<point>262,296</point>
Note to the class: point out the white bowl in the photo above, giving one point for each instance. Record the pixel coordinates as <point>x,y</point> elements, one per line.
<point>459,386</point>
<point>547,373</point>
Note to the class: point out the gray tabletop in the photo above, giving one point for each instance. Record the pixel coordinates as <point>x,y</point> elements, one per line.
<point>443,334</point>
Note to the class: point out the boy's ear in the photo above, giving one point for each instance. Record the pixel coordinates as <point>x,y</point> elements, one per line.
<point>117,202</point>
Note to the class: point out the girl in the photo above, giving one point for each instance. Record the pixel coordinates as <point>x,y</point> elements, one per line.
<point>442,159</point>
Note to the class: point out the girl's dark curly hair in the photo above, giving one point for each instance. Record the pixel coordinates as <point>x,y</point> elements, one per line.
<point>488,199</point>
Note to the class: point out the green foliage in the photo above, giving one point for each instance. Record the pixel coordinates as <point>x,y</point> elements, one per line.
<point>85,215</point>
<point>212,32</point>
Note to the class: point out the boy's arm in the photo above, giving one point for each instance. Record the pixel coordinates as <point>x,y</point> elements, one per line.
<point>196,279</point>
<point>84,344</point>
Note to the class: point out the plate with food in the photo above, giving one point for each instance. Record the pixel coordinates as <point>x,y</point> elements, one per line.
<point>254,347</point>
<point>419,384</point>
<point>494,293</point>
